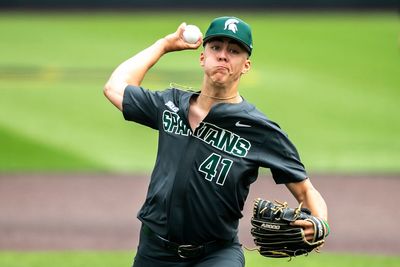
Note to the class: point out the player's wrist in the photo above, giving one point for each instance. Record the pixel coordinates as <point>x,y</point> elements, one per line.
<point>326,226</point>
<point>163,45</point>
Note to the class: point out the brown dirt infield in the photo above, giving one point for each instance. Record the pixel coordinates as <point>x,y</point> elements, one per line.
<point>98,212</point>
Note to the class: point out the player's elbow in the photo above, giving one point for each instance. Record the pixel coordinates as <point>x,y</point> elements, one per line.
<point>112,88</point>
<point>107,89</point>
<point>114,93</point>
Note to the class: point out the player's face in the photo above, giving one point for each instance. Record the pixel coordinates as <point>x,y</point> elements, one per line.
<point>224,60</point>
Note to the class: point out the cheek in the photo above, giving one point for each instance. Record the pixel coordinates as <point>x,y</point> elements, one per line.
<point>239,68</point>
<point>206,62</point>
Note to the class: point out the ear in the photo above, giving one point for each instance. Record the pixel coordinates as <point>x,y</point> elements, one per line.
<point>202,59</point>
<point>246,67</point>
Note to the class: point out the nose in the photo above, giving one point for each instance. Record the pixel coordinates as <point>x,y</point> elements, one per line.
<point>222,55</point>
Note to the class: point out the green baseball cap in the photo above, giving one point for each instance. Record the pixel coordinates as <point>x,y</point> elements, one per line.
<point>230,27</point>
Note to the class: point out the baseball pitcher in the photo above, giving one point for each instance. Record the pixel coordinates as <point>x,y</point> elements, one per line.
<point>211,145</point>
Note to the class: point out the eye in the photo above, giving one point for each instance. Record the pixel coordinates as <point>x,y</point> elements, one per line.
<point>234,51</point>
<point>215,47</point>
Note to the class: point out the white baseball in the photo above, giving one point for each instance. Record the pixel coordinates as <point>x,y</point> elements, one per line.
<point>191,34</point>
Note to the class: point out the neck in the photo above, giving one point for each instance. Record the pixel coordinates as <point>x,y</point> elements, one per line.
<point>232,98</point>
<point>220,93</point>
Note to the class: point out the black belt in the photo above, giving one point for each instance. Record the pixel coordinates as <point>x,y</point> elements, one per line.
<point>186,251</point>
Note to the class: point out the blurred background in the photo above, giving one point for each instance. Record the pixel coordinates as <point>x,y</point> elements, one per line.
<point>327,71</point>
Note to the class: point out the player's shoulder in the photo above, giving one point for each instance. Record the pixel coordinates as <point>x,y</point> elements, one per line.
<point>260,117</point>
<point>169,93</point>
<point>175,92</point>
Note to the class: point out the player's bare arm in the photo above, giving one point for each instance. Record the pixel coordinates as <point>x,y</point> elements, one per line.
<point>133,70</point>
<point>305,193</point>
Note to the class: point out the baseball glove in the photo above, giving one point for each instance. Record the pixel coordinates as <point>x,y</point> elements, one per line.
<point>274,235</point>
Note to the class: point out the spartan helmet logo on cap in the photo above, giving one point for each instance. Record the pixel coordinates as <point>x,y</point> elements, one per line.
<point>230,24</point>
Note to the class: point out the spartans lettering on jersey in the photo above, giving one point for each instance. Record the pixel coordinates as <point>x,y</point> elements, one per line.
<point>172,123</point>
<point>209,133</point>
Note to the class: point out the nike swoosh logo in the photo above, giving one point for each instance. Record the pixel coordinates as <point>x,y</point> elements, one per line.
<point>238,124</point>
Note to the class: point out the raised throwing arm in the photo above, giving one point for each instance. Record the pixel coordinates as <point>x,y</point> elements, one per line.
<point>133,70</point>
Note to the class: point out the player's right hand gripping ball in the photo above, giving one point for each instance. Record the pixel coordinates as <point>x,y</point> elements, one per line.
<point>191,34</point>
<point>276,237</point>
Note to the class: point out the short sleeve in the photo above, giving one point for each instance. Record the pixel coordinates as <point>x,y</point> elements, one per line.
<point>141,105</point>
<point>281,157</point>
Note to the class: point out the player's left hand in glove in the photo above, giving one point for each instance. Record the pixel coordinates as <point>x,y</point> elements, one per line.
<point>277,237</point>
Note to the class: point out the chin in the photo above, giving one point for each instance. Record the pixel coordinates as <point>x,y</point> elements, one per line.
<point>219,82</point>
<point>219,79</point>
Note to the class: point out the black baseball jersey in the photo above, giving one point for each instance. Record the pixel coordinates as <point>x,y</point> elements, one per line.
<point>201,179</point>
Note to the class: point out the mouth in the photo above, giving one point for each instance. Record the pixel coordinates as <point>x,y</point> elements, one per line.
<point>222,68</point>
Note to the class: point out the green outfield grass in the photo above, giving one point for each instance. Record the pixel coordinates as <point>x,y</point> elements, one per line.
<point>115,259</point>
<point>331,80</point>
